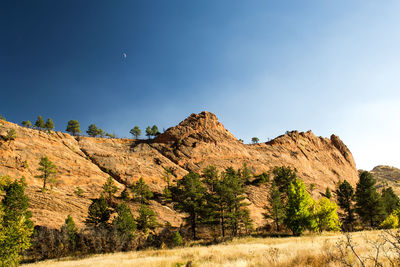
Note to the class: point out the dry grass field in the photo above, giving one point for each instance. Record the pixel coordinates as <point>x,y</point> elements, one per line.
<point>310,250</point>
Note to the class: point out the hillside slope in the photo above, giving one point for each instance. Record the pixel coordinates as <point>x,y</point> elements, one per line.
<point>198,141</point>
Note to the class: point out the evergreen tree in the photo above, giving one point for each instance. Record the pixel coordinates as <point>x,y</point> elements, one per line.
<point>345,198</point>
<point>92,130</point>
<point>141,191</point>
<point>298,215</point>
<point>109,189</point>
<point>49,125</point>
<point>276,208</point>
<point>70,229</point>
<point>245,174</point>
<point>16,226</point>
<point>101,133</point>
<point>283,177</point>
<point>27,124</point>
<point>190,198</point>
<point>2,118</point>
<point>328,193</point>
<point>73,127</point>
<point>99,212</point>
<point>124,222</point>
<point>146,219</point>
<point>39,124</point>
<point>135,131</point>
<point>210,177</point>
<point>390,200</point>
<point>369,204</point>
<point>177,239</point>
<point>48,169</point>
<point>149,132</point>
<point>155,131</point>
<point>255,140</point>
<point>125,195</point>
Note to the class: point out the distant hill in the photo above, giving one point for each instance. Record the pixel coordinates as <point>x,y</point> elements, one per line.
<point>387,176</point>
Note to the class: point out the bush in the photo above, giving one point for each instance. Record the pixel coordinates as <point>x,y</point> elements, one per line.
<point>391,221</point>
<point>11,135</point>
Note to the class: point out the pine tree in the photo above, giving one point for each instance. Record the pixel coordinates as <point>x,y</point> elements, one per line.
<point>189,197</point>
<point>27,124</point>
<point>149,132</point>
<point>141,191</point>
<point>109,189</point>
<point>39,124</point>
<point>99,212</point>
<point>146,219</point>
<point>255,140</point>
<point>177,239</point>
<point>136,132</point>
<point>245,174</point>
<point>345,198</point>
<point>298,215</point>
<point>16,226</point>
<point>154,130</point>
<point>328,193</point>
<point>70,229</point>
<point>48,169</point>
<point>369,204</point>
<point>124,222</point>
<point>390,200</point>
<point>73,127</point>
<point>276,209</point>
<point>283,177</point>
<point>49,125</point>
<point>92,130</point>
<point>11,135</point>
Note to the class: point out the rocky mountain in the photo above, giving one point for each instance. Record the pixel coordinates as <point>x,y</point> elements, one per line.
<point>198,141</point>
<point>387,176</point>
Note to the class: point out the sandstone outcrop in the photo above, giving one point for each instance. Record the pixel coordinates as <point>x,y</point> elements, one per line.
<point>197,142</point>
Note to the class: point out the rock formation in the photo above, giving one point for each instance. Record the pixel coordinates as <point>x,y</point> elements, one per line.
<point>198,141</point>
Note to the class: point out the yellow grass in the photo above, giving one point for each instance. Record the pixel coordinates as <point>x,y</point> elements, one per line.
<point>311,250</point>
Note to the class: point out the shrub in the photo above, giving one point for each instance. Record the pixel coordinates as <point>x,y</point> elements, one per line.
<point>177,239</point>
<point>391,221</point>
<point>79,191</point>
<point>11,135</point>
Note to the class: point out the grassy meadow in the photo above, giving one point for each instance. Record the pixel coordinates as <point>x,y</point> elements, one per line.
<point>308,250</point>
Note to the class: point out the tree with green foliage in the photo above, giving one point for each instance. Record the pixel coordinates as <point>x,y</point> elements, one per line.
<point>109,189</point>
<point>345,198</point>
<point>11,135</point>
<point>369,204</point>
<point>324,216</point>
<point>39,124</point>
<point>245,173</point>
<point>16,226</point>
<point>27,124</point>
<point>141,191</point>
<point>328,193</point>
<point>390,200</point>
<point>189,197</point>
<point>283,177</point>
<point>110,135</point>
<point>135,131</point>
<point>298,215</point>
<point>93,131</point>
<point>2,118</point>
<point>149,132</point>
<point>275,209</point>
<point>49,125</point>
<point>71,231</point>
<point>146,219</point>
<point>73,127</point>
<point>210,177</point>
<point>230,197</point>
<point>255,140</point>
<point>99,212</point>
<point>177,240</point>
<point>155,131</point>
<point>125,195</point>
<point>124,222</point>
<point>48,169</point>
<point>391,222</point>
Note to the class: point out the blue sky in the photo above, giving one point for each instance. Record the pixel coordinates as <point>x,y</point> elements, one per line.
<point>263,67</point>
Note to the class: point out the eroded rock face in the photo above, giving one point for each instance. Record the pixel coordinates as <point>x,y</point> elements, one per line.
<point>197,142</point>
